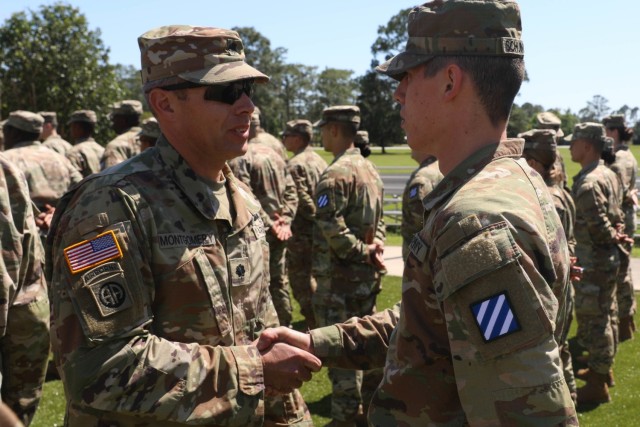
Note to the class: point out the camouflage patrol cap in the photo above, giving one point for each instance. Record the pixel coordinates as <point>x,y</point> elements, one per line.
<point>362,137</point>
<point>540,144</point>
<point>590,131</point>
<point>86,116</point>
<point>458,27</point>
<point>201,55</point>
<point>614,121</point>
<point>25,121</point>
<point>340,113</point>
<point>548,120</point>
<point>49,117</point>
<point>298,127</point>
<point>128,107</point>
<point>150,128</point>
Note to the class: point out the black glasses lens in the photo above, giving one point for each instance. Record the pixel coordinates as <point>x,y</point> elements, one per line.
<point>230,93</point>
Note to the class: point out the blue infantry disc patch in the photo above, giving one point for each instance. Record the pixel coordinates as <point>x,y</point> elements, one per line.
<point>323,200</point>
<point>495,317</point>
<point>413,191</point>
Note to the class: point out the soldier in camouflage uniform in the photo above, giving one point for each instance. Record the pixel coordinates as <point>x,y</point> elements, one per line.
<point>540,151</point>
<point>421,182</point>
<point>264,171</point>
<point>348,245</point>
<point>24,304</point>
<point>158,266</point>
<point>475,342</point>
<point>258,134</point>
<point>305,168</point>
<point>49,135</point>
<point>149,134</point>
<point>125,120</point>
<point>86,154</point>
<point>626,167</point>
<point>49,174</point>
<point>599,233</point>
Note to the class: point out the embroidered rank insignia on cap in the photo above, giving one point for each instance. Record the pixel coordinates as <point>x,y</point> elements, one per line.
<point>323,200</point>
<point>495,317</point>
<point>413,191</point>
<point>90,253</point>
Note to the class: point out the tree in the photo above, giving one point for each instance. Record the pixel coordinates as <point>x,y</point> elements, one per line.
<point>50,60</point>
<point>333,87</point>
<point>392,37</point>
<point>595,110</point>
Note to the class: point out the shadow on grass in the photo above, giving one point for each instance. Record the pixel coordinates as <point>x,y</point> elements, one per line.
<point>321,407</point>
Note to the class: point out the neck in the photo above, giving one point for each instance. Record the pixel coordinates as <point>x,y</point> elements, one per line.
<point>588,159</point>
<point>204,163</point>
<point>341,146</point>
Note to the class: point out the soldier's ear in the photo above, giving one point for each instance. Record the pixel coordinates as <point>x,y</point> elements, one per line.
<point>452,80</point>
<point>160,101</point>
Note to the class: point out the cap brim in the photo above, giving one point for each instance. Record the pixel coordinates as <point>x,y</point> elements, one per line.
<point>559,133</point>
<point>397,66</point>
<point>568,138</point>
<point>320,123</point>
<point>225,73</point>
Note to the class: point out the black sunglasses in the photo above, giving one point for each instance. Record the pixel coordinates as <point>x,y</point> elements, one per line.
<point>227,93</point>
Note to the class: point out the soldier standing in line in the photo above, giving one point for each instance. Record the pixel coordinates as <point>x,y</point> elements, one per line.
<point>258,134</point>
<point>348,246</point>
<point>599,233</point>
<point>86,154</point>
<point>158,266</point>
<point>125,118</point>
<point>626,167</point>
<point>475,341</point>
<point>149,134</point>
<point>421,182</point>
<point>548,120</point>
<point>24,304</point>
<point>49,135</point>
<point>305,168</point>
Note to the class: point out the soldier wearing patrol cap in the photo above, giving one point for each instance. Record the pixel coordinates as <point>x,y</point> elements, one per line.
<point>86,154</point>
<point>549,120</point>
<point>599,234</point>
<point>348,245</point>
<point>49,135</point>
<point>625,166</point>
<point>258,134</point>
<point>305,168</point>
<point>149,133</point>
<point>479,303</point>
<point>158,265</point>
<point>125,118</point>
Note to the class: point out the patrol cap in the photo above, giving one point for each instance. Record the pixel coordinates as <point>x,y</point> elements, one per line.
<point>362,137</point>
<point>255,116</point>
<point>25,121</point>
<point>298,127</point>
<point>540,144</point>
<point>458,27</point>
<point>341,114</point>
<point>548,120</point>
<point>49,117</point>
<point>614,121</point>
<point>150,128</point>
<point>128,107</point>
<point>86,116</point>
<point>202,55</point>
<point>588,130</point>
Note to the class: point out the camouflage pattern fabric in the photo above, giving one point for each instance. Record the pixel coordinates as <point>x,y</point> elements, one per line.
<point>473,250</point>
<point>262,170</point>
<point>272,142</point>
<point>122,147</point>
<point>421,182</point>
<point>86,156</point>
<point>48,174</point>
<point>24,304</point>
<point>349,199</point>
<point>57,144</point>
<point>305,168</point>
<point>596,193</point>
<point>158,331</point>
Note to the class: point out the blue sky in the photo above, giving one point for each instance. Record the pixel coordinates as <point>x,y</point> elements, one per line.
<point>574,49</point>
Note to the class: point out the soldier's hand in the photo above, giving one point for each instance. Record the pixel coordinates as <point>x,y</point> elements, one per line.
<point>575,271</point>
<point>376,255</point>
<point>282,334</point>
<point>286,367</point>
<point>43,220</point>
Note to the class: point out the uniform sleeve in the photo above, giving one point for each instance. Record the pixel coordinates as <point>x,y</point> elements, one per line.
<point>591,203</point>
<point>109,357</point>
<point>306,204</point>
<point>290,197</point>
<point>358,343</point>
<point>114,153</point>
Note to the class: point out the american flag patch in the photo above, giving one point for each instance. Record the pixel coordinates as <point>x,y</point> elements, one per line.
<point>92,252</point>
<point>494,317</point>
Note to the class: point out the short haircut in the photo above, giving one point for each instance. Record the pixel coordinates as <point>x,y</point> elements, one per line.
<point>497,80</point>
<point>347,129</point>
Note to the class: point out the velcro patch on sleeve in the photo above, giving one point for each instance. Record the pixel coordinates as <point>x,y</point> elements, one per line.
<point>93,252</point>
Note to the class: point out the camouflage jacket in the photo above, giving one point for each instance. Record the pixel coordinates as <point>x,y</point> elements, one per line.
<point>57,144</point>
<point>305,169</point>
<point>86,156</point>
<point>421,182</point>
<point>121,148</point>
<point>262,170</point>
<point>349,199</point>
<point>272,142</point>
<point>478,306</point>
<point>597,193</point>
<point>626,167</point>
<point>48,173</point>
<point>24,304</point>
<point>566,209</point>
<point>155,328</point>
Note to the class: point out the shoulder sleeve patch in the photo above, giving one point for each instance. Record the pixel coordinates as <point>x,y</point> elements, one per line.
<point>325,200</point>
<point>414,191</point>
<point>93,252</point>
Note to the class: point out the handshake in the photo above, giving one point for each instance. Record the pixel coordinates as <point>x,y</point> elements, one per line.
<point>287,359</point>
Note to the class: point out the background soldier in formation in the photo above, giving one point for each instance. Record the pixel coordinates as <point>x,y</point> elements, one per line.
<point>348,247</point>
<point>86,153</point>
<point>258,134</point>
<point>599,231</point>
<point>24,304</point>
<point>149,133</point>
<point>305,168</point>
<point>125,119</point>
<point>626,167</point>
<point>49,135</point>
<point>421,182</point>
